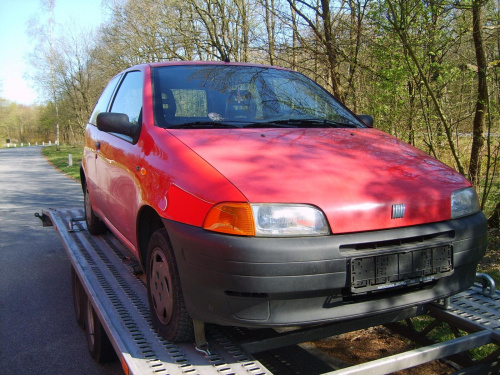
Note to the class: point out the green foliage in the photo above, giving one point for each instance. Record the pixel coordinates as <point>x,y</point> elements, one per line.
<point>26,124</point>
<point>47,121</point>
<point>442,332</point>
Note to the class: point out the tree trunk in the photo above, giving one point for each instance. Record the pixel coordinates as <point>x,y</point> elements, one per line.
<point>270,26</point>
<point>482,93</point>
<point>331,49</point>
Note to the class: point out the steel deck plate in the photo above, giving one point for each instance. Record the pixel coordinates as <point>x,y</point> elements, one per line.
<point>473,310</point>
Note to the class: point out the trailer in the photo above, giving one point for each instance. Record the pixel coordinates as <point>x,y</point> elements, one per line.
<point>110,300</point>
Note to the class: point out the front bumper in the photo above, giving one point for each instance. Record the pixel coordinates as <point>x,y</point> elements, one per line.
<point>252,281</point>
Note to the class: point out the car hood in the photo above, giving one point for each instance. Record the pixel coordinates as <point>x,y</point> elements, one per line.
<point>354,176</point>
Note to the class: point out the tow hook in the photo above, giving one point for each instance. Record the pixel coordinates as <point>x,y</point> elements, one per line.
<point>46,222</point>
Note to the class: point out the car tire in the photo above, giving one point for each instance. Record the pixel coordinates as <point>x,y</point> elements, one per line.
<point>100,348</point>
<point>95,225</point>
<point>79,298</point>
<point>166,301</point>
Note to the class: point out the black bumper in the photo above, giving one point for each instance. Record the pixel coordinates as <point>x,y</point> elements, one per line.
<point>252,281</point>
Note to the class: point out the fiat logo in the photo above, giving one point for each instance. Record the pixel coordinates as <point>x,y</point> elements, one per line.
<point>398,211</point>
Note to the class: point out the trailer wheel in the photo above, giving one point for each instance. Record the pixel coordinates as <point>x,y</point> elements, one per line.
<point>166,301</point>
<point>100,348</point>
<point>95,225</point>
<point>79,298</point>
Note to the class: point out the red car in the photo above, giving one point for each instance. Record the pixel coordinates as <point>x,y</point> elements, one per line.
<point>252,197</point>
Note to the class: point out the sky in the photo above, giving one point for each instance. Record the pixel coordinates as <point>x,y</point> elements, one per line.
<point>15,44</point>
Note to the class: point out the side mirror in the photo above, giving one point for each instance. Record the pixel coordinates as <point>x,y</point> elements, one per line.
<point>367,119</point>
<point>119,123</point>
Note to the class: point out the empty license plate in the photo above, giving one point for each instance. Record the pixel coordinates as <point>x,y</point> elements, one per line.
<point>380,272</point>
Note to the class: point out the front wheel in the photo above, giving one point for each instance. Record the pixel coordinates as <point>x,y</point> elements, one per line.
<point>166,301</point>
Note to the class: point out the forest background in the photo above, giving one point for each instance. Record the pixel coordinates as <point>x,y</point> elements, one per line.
<point>427,71</point>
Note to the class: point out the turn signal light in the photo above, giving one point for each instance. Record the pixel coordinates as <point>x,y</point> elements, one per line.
<point>231,218</point>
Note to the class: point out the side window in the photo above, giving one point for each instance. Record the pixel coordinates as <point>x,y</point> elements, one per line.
<point>103,102</point>
<point>128,99</point>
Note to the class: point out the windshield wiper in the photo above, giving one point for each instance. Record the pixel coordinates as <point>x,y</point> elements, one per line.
<point>288,123</point>
<point>297,123</point>
<point>202,125</point>
<point>318,122</point>
<point>269,124</point>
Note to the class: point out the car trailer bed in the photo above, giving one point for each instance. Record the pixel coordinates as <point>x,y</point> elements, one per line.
<point>113,286</point>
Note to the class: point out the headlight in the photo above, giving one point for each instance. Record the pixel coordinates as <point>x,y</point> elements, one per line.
<point>266,220</point>
<point>288,220</point>
<point>464,202</point>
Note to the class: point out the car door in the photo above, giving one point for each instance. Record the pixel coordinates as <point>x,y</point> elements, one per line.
<point>118,158</point>
<point>91,149</point>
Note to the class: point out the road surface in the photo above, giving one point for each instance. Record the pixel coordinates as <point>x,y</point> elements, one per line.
<point>38,330</point>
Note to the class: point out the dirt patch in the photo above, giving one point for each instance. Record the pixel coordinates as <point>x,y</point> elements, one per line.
<point>374,343</point>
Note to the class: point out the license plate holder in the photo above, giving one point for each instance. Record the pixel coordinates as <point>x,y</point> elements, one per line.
<point>404,268</point>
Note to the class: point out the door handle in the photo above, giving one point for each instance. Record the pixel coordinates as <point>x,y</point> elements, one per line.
<point>98,146</point>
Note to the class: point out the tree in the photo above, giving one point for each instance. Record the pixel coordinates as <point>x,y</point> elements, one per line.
<point>482,91</point>
<point>319,19</point>
<point>397,14</point>
<point>19,123</point>
<point>227,26</point>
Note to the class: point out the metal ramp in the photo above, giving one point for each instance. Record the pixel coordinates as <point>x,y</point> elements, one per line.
<point>119,297</point>
<point>120,300</point>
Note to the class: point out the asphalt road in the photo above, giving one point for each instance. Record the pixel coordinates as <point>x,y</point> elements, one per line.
<point>38,329</point>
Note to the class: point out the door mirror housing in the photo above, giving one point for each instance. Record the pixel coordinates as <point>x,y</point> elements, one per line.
<point>367,119</point>
<point>118,123</point>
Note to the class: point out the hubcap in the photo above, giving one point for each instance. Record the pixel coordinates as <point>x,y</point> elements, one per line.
<point>88,208</point>
<point>161,287</point>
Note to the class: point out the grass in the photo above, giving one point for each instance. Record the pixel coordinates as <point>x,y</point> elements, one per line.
<point>60,159</point>
<point>442,332</point>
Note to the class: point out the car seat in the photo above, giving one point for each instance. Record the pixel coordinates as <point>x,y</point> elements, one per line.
<point>240,106</point>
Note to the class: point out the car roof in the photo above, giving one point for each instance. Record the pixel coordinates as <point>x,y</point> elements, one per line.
<point>221,63</point>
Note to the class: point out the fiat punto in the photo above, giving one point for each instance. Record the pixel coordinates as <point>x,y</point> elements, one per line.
<point>252,197</point>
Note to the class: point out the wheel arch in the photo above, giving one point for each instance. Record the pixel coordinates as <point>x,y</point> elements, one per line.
<point>148,221</point>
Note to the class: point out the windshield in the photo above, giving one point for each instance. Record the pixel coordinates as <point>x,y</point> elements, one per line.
<point>206,96</point>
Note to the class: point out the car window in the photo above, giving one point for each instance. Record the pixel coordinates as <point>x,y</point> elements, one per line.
<point>128,99</point>
<point>243,96</point>
<point>103,102</point>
